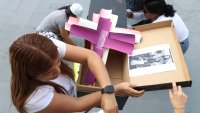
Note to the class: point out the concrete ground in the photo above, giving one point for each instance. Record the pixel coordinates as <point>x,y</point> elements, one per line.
<point>18,17</point>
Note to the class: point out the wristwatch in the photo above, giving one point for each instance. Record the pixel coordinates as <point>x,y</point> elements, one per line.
<point>108,89</point>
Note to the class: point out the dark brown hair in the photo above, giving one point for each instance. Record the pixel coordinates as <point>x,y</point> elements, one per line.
<point>67,11</point>
<point>30,56</point>
<point>159,7</point>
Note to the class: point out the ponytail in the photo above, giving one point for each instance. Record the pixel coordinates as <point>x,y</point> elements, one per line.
<point>67,11</point>
<point>159,7</point>
<point>64,7</point>
<point>169,11</point>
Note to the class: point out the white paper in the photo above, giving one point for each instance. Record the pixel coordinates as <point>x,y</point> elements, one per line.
<point>150,60</point>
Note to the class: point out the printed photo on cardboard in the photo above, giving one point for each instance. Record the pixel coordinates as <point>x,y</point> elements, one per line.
<point>151,60</point>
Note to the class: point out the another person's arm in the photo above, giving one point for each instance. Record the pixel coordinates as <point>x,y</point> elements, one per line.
<point>65,36</point>
<point>135,15</point>
<point>178,98</point>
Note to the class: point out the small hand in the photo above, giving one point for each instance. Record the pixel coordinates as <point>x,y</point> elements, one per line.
<point>177,96</point>
<point>129,14</point>
<point>128,89</point>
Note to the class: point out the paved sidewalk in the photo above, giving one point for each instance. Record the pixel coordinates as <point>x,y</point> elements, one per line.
<point>19,17</point>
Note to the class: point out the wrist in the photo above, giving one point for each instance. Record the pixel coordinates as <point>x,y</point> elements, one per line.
<point>179,110</point>
<point>117,89</point>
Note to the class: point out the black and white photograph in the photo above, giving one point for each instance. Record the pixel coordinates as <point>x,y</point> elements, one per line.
<point>154,58</point>
<point>151,59</point>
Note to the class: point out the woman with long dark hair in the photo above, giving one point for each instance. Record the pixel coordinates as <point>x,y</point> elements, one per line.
<point>159,10</point>
<point>53,25</point>
<point>42,83</point>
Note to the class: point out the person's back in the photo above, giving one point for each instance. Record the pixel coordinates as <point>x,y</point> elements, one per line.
<point>53,22</point>
<point>53,25</point>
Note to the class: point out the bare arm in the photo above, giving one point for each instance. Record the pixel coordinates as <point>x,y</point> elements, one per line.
<point>65,104</point>
<point>97,67</point>
<point>94,62</point>
<point>65,36</point>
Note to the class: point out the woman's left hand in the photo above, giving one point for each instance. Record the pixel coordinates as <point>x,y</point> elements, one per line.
<point>109,103</point>
<point>127,88</point>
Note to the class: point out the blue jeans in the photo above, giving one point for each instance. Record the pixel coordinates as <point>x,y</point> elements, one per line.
<point>184,45</point>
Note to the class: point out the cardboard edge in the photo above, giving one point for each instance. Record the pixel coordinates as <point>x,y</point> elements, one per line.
<point>183,62</point>
<point>163,86</point>
<point>153,25</point>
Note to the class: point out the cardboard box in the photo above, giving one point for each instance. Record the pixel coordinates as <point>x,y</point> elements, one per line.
<point>156,34</point>
<point>152,34</point>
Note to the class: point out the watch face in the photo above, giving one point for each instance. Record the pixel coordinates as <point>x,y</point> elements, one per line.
<point>109,89</point>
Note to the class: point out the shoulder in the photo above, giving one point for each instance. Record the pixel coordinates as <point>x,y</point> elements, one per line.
<point>40,98</point>
<point>176,15</point>
<point>61,18</point>
<point>162,18</point>
<point>61,47</point>
<point>58,12</point>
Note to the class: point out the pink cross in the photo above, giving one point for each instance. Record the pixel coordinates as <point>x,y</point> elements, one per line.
<point>102,33</point>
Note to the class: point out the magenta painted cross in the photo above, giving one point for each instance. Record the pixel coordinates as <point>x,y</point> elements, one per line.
<point>102,33</point>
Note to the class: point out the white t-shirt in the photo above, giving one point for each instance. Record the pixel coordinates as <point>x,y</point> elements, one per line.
<point>43,95</point>
<point>180,27</point>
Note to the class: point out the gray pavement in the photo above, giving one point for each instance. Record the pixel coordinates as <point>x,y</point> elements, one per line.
<point>18,17</point>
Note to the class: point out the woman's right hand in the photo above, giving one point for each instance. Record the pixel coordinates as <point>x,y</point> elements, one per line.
<point>128,89</point>
<point>178,97</point>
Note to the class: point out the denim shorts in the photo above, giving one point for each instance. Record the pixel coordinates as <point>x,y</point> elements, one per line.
<point>184,45</point>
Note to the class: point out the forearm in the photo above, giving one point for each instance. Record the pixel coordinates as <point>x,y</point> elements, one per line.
<point>98,69</point>
<point>179,110</point>
<point>65,36</point>
<point>89,101</point>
